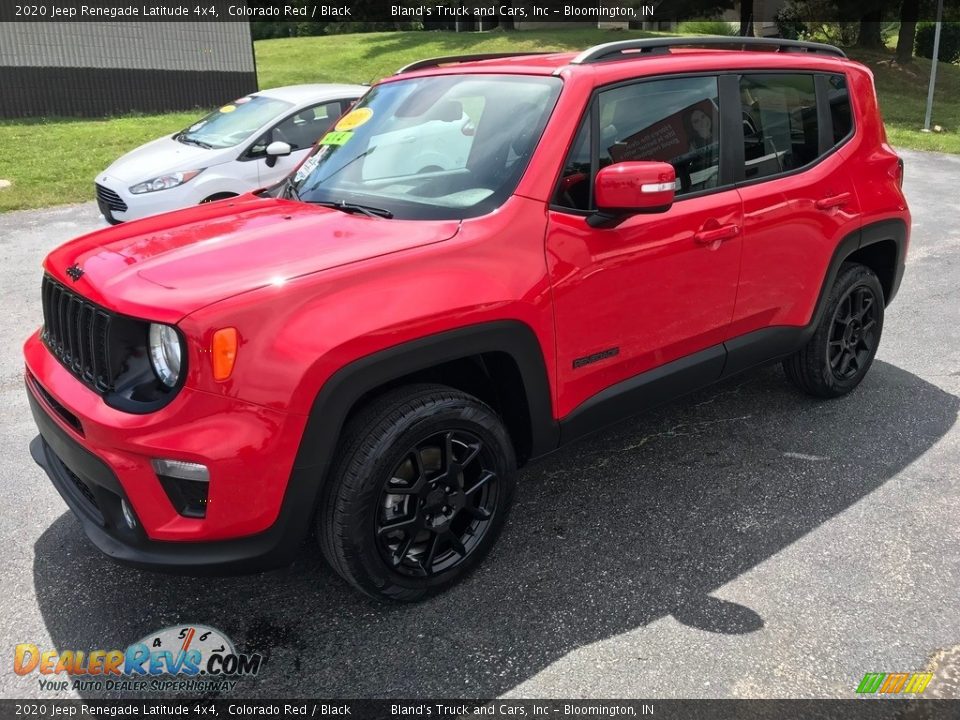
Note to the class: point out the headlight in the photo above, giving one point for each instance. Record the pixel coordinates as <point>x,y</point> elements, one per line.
<point>165,353</point>
<point>165,182</point>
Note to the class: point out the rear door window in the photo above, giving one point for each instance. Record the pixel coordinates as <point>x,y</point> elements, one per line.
<point>780,129</point>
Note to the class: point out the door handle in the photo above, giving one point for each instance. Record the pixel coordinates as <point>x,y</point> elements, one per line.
<point>724,232</point>
<point>833,201</point>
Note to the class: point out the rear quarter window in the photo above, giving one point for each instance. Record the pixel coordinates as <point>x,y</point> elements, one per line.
<point>840,112</point>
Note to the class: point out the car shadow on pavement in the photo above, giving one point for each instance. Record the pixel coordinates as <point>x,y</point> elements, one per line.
<point>634,524</point>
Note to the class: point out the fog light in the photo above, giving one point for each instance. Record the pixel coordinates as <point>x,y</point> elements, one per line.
<point>128,515</point>
<point>187,485</point>
<point>181,469</point>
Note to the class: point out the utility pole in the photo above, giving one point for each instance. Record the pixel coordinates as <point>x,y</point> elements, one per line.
<point>933,66</point>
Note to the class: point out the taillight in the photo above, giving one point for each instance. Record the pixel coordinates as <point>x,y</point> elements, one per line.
<point>900,172</point>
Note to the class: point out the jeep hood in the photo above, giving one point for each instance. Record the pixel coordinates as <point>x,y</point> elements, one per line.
<point>165,267</point>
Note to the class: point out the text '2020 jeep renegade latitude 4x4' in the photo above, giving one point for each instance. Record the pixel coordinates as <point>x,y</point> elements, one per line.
<point>374,346</point>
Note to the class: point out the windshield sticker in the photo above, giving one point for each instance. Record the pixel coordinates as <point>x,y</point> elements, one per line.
<point>241,101</point>
<point>309,165</point>
<point>228,108</point>
<point>354,119</point>
<point>336,138</point>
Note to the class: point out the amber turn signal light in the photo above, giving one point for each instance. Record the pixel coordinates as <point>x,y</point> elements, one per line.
<point>224,352</point>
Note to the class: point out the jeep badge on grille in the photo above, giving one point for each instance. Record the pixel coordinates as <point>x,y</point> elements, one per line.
<point>75,272</point>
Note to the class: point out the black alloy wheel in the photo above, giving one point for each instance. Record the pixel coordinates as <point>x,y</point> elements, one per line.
<point>843,345</point>
<point>437,504</point>
<point>418,493</point>
<point>854,332</point>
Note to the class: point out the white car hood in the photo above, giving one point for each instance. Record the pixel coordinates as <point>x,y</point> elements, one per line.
<point>162,156</point>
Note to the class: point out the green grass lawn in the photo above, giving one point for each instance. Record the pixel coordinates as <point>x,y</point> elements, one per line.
<point>51,161</point>
<point>903,101</point>
<point>55,161</point>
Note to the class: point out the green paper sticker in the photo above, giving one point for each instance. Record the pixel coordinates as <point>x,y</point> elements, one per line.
<point>336,138</point>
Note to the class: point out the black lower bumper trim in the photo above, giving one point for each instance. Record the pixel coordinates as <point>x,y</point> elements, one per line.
<point>61,456</point>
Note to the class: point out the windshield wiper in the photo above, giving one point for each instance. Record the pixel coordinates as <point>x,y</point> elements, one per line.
<point>289,189</point>
<point>346,207</point>
<point>190,141</point>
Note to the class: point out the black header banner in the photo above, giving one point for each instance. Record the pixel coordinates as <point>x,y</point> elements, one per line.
<point>472,13</point>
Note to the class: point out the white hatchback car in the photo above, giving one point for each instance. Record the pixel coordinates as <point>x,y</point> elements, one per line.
<point>250,143</point>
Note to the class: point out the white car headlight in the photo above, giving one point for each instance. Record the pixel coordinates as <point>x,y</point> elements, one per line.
<point>165,182</point>
<point>165,351</point>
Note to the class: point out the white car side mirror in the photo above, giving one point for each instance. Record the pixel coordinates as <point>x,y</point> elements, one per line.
<point>278,149</point>
<point>275,150</point>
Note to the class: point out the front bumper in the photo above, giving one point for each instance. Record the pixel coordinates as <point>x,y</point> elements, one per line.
<point>96,456</point>
<point>144,204</point>
<point>69,465</point>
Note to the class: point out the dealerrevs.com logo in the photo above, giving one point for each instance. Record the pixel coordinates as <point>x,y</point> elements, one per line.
<point>191,658</point>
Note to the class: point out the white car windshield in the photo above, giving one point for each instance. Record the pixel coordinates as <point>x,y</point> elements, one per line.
<point>234,122</point>
<point>441,147</point>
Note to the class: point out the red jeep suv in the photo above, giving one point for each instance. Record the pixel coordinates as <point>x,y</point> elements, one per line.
<point>485,258</point>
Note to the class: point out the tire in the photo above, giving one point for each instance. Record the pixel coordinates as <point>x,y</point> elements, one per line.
<point>842,349</point>
<point>217,196</point>
<point>394,521</point>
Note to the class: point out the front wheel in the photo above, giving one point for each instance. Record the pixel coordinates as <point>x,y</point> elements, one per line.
<point>842,349</point>
<point>217,196</point>
<point>418,493</point>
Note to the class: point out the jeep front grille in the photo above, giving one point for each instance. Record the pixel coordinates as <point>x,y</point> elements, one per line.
<point>77,332</point>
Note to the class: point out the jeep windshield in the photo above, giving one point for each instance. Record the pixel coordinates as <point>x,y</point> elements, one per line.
<point>441,147</point>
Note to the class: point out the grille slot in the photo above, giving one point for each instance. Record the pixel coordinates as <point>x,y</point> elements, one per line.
<point>83,488</point>
<point>109,198</point>
<point>67,416</point>
<point>77,332</point>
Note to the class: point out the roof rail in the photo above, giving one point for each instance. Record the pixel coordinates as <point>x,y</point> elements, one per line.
<point>456,59</point>
<point>624,49</point>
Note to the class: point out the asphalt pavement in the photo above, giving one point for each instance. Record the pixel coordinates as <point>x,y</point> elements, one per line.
<point>746,541</point>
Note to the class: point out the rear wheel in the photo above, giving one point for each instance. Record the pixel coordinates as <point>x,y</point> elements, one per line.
<point>419,492</point>
<point>842,349</point>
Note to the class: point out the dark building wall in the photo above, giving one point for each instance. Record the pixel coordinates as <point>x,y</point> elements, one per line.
<point>93,69</point>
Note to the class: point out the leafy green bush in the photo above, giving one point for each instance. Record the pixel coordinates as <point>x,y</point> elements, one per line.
<point>790,22</point>
<point>949,41</point>
<point>706,27</point>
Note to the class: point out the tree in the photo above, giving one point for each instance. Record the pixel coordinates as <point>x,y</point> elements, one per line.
<point>868,15</point>
<point>870,36</point>
<point>909,12</point>
<point>746,18</point>
<point>506,21</point>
